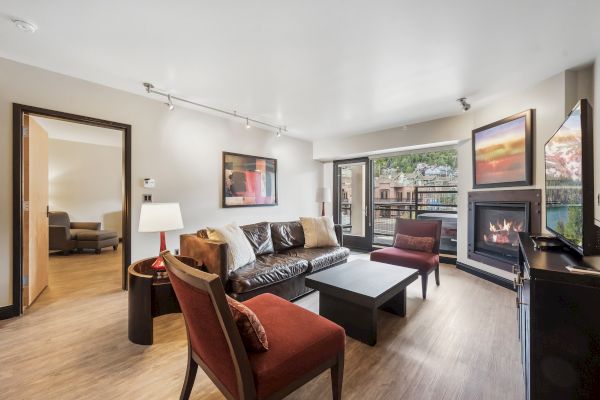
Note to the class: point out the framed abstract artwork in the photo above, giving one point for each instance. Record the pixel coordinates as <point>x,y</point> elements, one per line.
<point>503,152</point>
<point>249,181</point>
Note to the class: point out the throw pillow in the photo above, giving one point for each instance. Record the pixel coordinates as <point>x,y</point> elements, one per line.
<point>239,250</point>
<point>251,330</point>
<point>417,243</point>
<point>318,232</point>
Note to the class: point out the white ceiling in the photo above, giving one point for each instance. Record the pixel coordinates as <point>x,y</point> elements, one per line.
<point>322,68</point>
<point>75,132</point>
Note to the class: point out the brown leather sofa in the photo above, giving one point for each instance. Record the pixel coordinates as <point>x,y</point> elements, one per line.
<point>281,263</point>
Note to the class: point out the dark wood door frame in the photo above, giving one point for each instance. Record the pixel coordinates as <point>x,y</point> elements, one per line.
<point>19,110</point>
<point>365,244</point>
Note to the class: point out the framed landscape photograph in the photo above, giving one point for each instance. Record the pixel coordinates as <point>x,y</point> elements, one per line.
<point>249,181</point>
<point>503,152</point>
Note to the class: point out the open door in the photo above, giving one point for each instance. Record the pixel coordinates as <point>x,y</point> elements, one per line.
<point>352,202</point>
<point>35,210</point>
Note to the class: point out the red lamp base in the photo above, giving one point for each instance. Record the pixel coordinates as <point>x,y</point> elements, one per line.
<point>159,264</point>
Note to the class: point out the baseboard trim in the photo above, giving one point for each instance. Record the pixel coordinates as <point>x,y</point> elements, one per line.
<point>498,280</point>
<point>7,312</point>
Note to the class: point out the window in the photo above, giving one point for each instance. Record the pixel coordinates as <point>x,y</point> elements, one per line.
<point>384,194</point>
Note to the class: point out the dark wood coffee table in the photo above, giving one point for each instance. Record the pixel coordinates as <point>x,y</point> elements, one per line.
<point>350,295</point>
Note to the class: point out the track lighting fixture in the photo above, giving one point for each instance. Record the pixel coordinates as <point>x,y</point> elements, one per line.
<point>169,103</point>
<point>463,102</point>
<point>150,89</point>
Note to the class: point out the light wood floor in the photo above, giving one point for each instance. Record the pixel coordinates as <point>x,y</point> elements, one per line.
<point>72,344</point>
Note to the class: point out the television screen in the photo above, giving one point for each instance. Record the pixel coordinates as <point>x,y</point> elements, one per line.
<point>564,189</point>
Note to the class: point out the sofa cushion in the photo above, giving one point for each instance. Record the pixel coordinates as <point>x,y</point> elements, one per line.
<point>318,232</point>
<point>320,258</point>
<point>259,236</point>
<point>287,235</point>
<point>239,250</point>
<point>89,235</point>
<point>266,270</point>
<point>251,330</point>
<point>299,341</point>
<point>424,262</point>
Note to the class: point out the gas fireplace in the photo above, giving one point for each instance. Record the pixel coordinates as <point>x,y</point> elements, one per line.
<point>495,220</point>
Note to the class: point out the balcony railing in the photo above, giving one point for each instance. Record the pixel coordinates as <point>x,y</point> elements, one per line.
<point>428,202</point>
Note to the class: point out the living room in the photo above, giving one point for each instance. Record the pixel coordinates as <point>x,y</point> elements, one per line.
<point>316,95</point>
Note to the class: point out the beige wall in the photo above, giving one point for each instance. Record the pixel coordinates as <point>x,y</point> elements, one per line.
<point>548,98</point>
<point>180,149</point>
<point>85,180</point>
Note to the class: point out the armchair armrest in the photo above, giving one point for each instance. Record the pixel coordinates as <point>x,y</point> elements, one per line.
<point>339,234</point>
<point>94,226</point>
<point>210,253</point>
<point>59,237</point>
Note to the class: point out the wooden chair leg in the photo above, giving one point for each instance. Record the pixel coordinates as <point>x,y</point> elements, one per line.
<point>337,377</point>
<point>190,377</point>
<point>437,275</point>
<point>424,278</point>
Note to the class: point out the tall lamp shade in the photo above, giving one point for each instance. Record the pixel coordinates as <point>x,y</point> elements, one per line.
<point>323,196</point>
<point>160,217</point>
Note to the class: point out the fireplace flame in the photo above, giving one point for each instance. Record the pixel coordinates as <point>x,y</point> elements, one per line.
<point>503,232</point>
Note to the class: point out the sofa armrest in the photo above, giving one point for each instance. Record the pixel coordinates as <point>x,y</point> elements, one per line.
<point>210,253</point>
<point>94,226</point>
<point>59,237</point>
<point>339,234</point>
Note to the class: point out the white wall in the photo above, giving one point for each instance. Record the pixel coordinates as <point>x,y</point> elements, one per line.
<point>548,98</point>
<point>85,180</point>
<point>180,149</point>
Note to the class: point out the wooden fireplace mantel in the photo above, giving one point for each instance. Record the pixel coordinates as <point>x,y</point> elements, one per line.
<point>531,196</point>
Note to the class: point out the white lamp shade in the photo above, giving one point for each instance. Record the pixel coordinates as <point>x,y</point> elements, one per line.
<point>160,217</point>
<point>324,195</point>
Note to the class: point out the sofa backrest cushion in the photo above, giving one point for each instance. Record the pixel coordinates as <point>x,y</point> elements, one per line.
<point>59,218</point>
<point>287,235</point>
<point>259,236</point>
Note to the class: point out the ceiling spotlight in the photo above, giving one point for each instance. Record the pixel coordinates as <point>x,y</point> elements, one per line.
<point>170,103</point>
<point>26,26</point>
<point>247,124</point>
<point>278,134</point>
<point>463,102</point>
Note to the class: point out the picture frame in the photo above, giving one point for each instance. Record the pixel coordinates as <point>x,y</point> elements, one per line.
<point>248,181</point>
<point>503,152</point>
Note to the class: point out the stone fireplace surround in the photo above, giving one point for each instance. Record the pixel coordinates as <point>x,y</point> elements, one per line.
<point>492,241</point>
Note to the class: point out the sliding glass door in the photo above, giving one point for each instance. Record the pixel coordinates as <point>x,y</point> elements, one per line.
<point>352,202</point>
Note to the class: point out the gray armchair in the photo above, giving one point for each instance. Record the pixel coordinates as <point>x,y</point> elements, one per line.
<point>66,236</point>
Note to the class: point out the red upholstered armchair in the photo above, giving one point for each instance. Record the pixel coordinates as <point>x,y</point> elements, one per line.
<point>423,261</point>
<point>302,344</point>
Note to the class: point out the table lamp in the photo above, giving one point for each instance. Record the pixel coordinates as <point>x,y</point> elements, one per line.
<point>160,217</point>
<point>323,196</point>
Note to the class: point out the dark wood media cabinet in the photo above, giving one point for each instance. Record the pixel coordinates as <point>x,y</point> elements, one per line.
<point>559,323</point>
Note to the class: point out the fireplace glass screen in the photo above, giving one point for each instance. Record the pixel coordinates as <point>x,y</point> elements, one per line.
<point>497,229</point>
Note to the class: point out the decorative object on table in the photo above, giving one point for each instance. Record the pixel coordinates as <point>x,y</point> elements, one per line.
<point>424,262</point>
<point>149,298</point>
<point>160,217</point>
<point>303,344</point>
<point>239,250</point>
<point>503,152</point>
<point>323,196</point>
<point>249,181</point>
<point>318,232</point>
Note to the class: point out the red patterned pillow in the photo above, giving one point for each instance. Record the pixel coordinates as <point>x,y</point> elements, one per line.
<point>251,330</point>
<point>417,243</point>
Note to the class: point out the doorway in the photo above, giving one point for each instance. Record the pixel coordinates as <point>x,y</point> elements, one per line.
<point>30,194</point>
<point>352,202</point>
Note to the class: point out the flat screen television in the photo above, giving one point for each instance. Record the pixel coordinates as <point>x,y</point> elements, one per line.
<point>569,166</point>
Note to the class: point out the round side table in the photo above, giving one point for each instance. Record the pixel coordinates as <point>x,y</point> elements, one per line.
<point>149,297</point>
